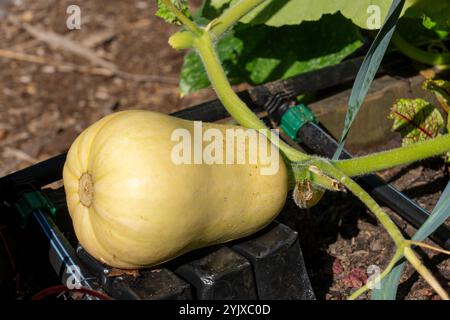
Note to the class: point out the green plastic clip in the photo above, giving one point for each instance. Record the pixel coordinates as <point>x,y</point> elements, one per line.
<point>30,201</point>
<point>295,118</point>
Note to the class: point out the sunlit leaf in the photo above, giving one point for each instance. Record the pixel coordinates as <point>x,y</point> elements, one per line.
<point>416,120</point>
<point>258,53</point>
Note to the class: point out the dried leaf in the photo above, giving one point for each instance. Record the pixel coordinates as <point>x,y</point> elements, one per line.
<point>3,133</point>
<point>416,120</point>
<point>355,279</point>
<point>337,267</point>
<point>115,272</point>
<point>306,195</point>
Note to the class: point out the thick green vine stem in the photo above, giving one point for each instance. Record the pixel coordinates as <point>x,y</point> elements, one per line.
<point>419,55</point>
<point>328,168</point>
<point>394,157</point>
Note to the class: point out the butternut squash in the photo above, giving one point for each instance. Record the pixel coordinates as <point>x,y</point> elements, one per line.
<point>132,206</point>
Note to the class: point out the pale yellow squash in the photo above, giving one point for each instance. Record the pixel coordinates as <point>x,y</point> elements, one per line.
<point>133,207</point>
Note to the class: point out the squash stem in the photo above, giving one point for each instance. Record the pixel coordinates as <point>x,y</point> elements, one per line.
<point>419,55</point>
<point>394,157</point>
<point>188,23</point>
<point>328,168</point>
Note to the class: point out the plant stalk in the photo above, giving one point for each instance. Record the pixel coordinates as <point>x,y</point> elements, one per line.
<point>394,157</point>
<point>329,169</point>
<point>188,23</point>
<point>419,55</point>
<point>401,243</point>
<point>425,273</point>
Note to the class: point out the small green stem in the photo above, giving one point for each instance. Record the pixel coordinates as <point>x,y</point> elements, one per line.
<point>401,243</point>
<point>233,14</point>
<point>394,157</point>
<point>425,273</point>
<point>234,105</point>
<point>427,246</point>
<point>190,25</point>
<point>398,254</point>
<point>418,54</point>
<point>329,169</point>
<point>416,263</point>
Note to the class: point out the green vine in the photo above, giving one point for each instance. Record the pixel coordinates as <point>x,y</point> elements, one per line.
<point>394,157</point>
<point>419,55</point>
<point>321,172</point>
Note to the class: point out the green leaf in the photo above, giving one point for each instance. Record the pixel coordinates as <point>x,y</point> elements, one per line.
<point>433,13</point>
<point>416,120</point>
<point>257,53</point>
<point>164,13</point>
<point>213,8</point>
<point>413,31</point>
<point>441,212</point>
<point>367,14</point>
<point>448,123</point>
<point>441,89</point>
<point>364,13</point>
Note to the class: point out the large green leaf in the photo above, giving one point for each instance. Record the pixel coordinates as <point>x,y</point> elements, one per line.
<point>434,13</point>
<point>414,32</point>
<point>388,286</point>
<point>282,12</point>
<point>258,53</point>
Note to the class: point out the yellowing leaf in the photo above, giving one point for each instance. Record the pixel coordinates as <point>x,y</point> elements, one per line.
<point>416,120</point>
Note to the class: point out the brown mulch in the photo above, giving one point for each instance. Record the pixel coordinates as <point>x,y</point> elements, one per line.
<point>44,109</point>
